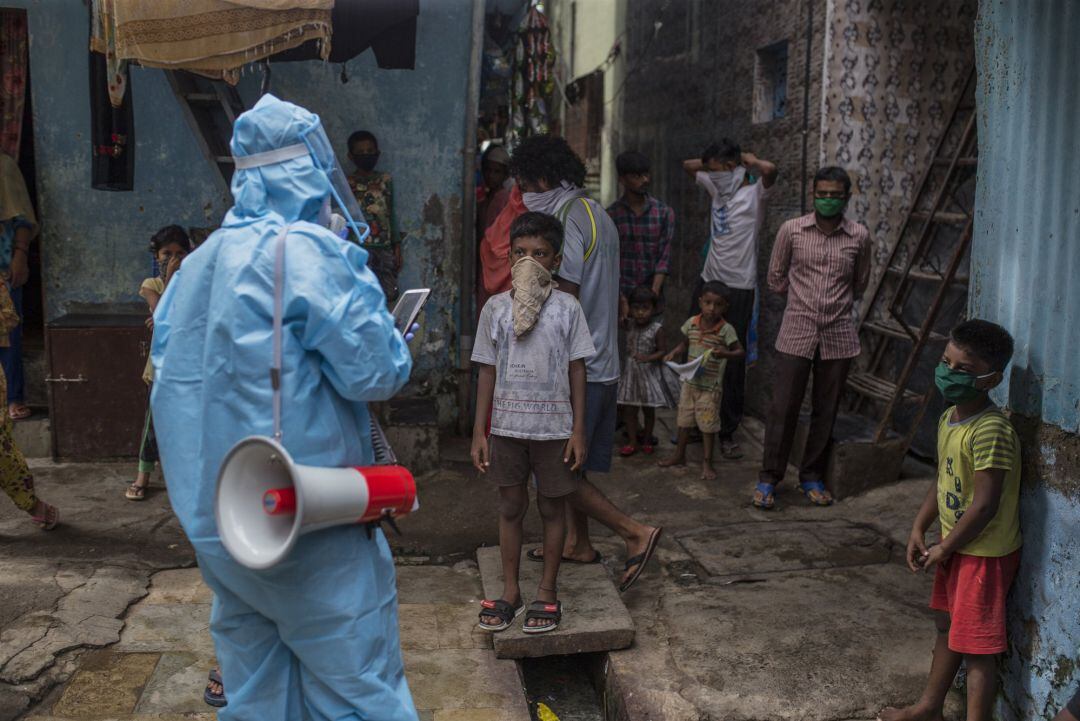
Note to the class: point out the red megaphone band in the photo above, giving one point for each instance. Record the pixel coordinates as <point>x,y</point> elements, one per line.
<point>390,488</point>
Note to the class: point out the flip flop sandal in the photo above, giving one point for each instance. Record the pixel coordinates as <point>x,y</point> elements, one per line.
<point>763,496</point>
<point>641,560</point>
<point>505,611</point>
<point>21,414</point>
<point>135,492</point>
<point>731,451</point>
<point>648,450</point>
<point>217,700</point>
<point>816,493</point>
<point>627,451</point>
<point>47,520</point>
<point>535,555</point>
<point>543,611</point>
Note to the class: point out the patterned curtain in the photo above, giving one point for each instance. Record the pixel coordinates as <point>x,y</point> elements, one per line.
<point>13,72</point>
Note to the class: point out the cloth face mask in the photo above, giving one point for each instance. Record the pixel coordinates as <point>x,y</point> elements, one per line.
<point>726,183</point>
<point>532,286</point>
<point>550,200</point>
<point>957,386</point>
<point>829,207</point>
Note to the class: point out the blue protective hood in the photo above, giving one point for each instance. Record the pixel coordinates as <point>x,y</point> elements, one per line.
<point>294,189</point>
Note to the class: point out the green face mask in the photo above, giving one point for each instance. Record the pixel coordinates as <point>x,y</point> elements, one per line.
<point>829,207</point>
<point>957,386</point>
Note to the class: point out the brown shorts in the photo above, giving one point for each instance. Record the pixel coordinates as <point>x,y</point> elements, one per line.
<point>514,459</point>
<point>699,408</point>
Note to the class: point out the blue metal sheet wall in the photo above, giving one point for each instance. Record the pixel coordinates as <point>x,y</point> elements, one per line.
<point>1026,250</point>
<point>1025,259</point>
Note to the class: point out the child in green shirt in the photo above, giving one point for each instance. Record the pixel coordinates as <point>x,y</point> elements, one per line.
<point>976,500</point>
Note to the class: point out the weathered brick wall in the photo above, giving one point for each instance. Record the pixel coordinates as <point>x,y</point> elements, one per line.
<point>892,71</point>
<point>691,83</point>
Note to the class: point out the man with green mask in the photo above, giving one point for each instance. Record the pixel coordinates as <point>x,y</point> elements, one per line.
<point>821,262</point>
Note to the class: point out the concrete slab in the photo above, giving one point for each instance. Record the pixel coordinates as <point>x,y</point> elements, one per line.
<point>756,548</point>
<point>106,683</point>
<point>594,617</point>
<point>438,584</point>
<point>87,616</point>
<point>176,685</point>
<point>33,436</point>
<point>169,627</point>
<point>465,679</point>
<point>182,585</point>
<point>818,646</point>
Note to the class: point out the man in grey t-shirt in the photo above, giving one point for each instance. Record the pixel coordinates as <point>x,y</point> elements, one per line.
<point>550,176</point>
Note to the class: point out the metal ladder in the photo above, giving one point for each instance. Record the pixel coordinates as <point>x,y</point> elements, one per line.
<point>210,108</point>
<point>906,310</point>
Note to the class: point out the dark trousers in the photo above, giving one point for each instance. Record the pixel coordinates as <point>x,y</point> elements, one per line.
<point>789,385</point>
<point>11,358</point>
<point>740,312</point>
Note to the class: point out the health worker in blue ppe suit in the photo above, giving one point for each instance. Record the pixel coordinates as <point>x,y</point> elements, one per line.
<point>316,636</point>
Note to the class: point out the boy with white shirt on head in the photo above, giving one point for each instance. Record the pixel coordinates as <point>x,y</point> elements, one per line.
<point>737,216</point>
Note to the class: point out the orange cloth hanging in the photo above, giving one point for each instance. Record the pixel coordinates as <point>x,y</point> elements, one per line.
<point>495,250</point>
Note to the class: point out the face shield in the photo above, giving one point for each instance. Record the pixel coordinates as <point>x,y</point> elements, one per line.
<point>317,146</point>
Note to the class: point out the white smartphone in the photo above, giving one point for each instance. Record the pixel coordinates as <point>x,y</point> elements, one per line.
<point>408,308</point>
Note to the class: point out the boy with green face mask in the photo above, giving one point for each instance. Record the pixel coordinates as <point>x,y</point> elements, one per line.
<point>977,500</point>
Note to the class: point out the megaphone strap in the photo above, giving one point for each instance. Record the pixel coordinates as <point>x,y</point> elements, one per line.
<point>279,303</point>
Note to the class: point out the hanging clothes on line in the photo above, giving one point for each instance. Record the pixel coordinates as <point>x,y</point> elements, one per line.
<point>214,38</point>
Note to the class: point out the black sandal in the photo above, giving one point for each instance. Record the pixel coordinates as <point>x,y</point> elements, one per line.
<point>641,560</point>
<point>217,700</point>
<point>505,611</point>
<point>543,611</point>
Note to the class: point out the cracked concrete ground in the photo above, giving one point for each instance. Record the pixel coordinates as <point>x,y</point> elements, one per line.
<point>66,590</point>
<point>802,613</point>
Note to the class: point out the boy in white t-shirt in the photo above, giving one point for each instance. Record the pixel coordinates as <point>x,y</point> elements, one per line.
<point>731,256</point>
<point>531,345</point>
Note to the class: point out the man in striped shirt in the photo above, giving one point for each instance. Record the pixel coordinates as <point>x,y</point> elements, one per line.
<point>821,262</point>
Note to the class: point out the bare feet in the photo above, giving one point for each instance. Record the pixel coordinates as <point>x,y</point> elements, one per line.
<point>671,462</point>
<point>910,713</point>
<point>707,472</point>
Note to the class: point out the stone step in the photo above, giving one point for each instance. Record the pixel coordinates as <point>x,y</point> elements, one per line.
<point>33,436</point>
<point>594,617</point>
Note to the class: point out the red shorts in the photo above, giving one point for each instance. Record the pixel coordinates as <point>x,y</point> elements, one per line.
<point>972,590</point>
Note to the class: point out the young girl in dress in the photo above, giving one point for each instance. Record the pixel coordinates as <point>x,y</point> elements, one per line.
<point>642,385</point>
<point>170,246</point>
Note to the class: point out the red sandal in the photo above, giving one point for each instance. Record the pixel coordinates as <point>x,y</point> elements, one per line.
<point>627,450</point>
<point>48,518</point>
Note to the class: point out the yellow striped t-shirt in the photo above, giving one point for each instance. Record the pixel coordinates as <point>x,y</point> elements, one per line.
<point>984,441</point>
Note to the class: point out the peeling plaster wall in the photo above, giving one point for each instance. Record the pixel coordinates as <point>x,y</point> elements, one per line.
<point>891,80</point>
<point>1024,260</point>
<point>419,118</point>
<point>95,242</point>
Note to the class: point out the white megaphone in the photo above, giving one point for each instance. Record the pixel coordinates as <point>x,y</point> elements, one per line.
<point>265,501</point>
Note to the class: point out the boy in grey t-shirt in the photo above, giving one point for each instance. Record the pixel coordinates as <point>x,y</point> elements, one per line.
<point>531,345</point>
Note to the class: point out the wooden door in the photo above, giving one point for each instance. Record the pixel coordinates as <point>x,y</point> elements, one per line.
<point>97,396</point>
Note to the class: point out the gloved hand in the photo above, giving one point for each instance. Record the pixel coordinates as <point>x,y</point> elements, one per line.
<point>411,332</point>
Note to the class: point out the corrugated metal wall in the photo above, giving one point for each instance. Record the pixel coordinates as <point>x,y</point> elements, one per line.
<point>1026,250</point>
